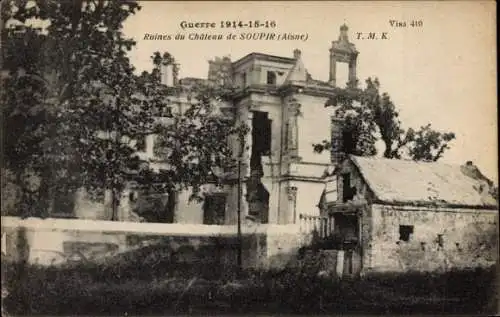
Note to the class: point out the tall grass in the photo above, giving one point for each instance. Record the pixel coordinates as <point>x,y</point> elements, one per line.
<point>168,287</point>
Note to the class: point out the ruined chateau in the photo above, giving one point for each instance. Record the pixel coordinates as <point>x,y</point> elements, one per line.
<point>281,175</point>
<point>376,214</point>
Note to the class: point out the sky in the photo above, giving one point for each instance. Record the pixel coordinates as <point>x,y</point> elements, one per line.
<point>441,72</point>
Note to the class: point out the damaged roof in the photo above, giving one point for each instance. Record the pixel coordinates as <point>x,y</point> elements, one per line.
<point>416,183</point>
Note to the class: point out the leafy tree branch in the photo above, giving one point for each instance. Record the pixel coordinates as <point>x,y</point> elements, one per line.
<point>367,115</point>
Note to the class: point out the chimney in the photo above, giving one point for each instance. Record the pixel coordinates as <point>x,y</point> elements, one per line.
<point>472,171</point>
<point>167,75</point>
<point>297,53</point>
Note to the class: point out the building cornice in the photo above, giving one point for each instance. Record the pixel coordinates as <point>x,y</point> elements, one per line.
<point>263,57</point>
<point>306,89</point>
<point>255,88</point>
<point>285,90</point>
<point>302,179</point>
<point>433,205</point>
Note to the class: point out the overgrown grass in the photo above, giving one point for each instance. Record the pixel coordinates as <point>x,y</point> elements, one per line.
<point>168,287</point>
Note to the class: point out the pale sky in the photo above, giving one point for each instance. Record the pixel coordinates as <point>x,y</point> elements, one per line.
<point>443,72</point>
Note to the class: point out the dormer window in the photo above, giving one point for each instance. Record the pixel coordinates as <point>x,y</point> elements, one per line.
<point>271,78</point>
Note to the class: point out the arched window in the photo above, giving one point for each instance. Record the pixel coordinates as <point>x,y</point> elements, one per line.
<point>271,78</point>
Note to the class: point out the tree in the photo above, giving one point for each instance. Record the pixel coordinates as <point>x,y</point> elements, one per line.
<point>193,144</point>
<point>368,115</point>
<point>25,112</point>
<point>67,85</point>
<point>74,106</point>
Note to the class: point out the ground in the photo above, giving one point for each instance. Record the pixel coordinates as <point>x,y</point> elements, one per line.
<point>168,288</point>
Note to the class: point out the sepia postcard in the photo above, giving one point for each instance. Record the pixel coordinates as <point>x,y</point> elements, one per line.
<point>249,157</point>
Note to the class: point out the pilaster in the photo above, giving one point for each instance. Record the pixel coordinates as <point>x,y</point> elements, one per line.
<point>256,74</point>
<point>293,126</point>
<point>291,215</point>
<point>124,208</point>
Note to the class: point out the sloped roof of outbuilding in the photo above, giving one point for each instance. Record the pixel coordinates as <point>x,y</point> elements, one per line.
<point>417,183</point>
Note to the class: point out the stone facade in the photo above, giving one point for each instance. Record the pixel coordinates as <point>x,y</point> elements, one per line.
<point>283,107</point>
<point>285,110</point>
<point>403,233</point>
<point>442,238</point>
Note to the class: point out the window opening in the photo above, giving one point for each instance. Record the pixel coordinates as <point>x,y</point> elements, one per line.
<point>141,143</point>
<point>271,78</point>
<point>214,210</point>
<point>405,233</point>
<point>440,240</point>
<point>348,191</point>
<point>261,134</point>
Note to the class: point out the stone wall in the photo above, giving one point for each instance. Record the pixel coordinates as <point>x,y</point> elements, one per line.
<point>56,241</point>
<point>442,239</point>
<point>282,245</point>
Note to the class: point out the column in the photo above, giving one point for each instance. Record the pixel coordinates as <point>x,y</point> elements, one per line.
<point>333,69</point>
<point>352,70</point>
<point>82,202</point>
<point>167,74</point>
<point>124,207</point>
<point>108,208</point>
<point>150,139</point>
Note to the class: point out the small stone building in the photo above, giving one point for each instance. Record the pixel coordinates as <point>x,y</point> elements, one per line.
<point>392,215</point>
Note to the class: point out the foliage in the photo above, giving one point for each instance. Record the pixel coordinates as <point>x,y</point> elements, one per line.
<point>368,115</point>
<point>68,82</point>
<point>74,107</point>
<point>196,141</point>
